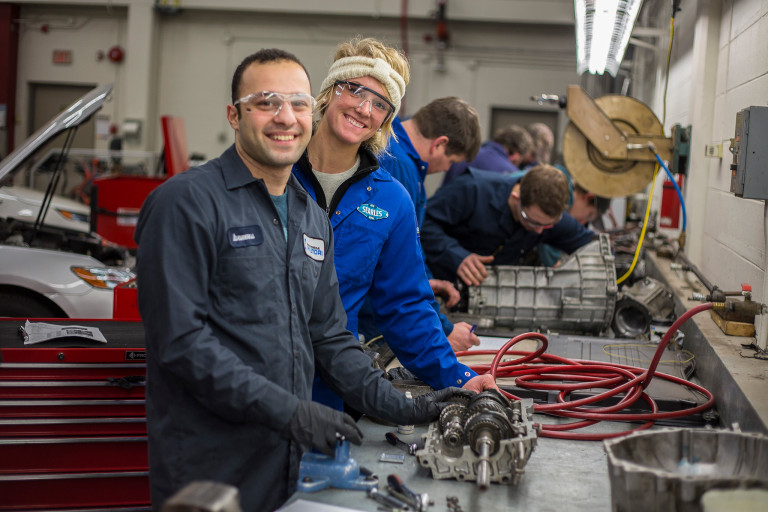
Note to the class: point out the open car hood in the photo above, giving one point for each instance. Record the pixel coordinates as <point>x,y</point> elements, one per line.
<point>77,113</point>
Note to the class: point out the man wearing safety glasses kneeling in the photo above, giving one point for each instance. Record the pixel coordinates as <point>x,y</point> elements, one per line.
<point>484,218</point>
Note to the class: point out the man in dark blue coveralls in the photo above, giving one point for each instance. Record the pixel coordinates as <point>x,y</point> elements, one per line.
<point>483,218</point>
<point>240,304</point>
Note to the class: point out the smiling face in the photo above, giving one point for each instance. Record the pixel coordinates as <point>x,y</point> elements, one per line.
<point>348,119</point>
<point>271,141</point>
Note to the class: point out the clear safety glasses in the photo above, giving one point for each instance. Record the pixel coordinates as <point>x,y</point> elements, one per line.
<point>358,95</point>
<point>271,103</point>
<point>535,224</point>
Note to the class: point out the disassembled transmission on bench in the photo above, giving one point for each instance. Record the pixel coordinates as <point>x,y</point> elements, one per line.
<point>486,439</point>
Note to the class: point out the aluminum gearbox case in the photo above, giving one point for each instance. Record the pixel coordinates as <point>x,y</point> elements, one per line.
<point>579,296</point>
<point>672,469</point>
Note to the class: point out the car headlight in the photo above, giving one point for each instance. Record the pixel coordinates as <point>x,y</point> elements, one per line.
<point>71,215</point>
<point>103,277</point>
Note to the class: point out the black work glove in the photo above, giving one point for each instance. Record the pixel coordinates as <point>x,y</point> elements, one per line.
<point>427,407</point>
<point>401,373</point>
<point>316,425</point>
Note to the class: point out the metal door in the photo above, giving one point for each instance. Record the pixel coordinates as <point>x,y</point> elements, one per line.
<point>45,101</point>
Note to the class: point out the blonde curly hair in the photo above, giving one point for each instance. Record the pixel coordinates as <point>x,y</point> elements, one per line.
<point>372,49</point>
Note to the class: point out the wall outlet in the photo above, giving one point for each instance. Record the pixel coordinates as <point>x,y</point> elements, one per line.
<point>713,150</point>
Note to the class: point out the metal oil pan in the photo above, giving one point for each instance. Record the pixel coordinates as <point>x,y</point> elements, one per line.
<point>671,469</point>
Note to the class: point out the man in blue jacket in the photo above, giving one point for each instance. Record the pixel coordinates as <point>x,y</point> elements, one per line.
<point>483,218</point>
<point>240,305</point>
<point>445,131</point>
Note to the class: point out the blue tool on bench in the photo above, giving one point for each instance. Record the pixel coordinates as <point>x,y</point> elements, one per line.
<point>319,471</point>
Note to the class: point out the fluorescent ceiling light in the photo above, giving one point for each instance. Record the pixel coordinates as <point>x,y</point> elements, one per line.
<point>603,28</point>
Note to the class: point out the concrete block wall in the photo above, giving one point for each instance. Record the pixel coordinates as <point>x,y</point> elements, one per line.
<point>719,65</point>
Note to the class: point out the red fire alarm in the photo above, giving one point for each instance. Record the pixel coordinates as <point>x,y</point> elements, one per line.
<point>116,54</point>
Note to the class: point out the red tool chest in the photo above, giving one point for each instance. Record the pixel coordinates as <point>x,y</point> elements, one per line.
<point>72,420</point>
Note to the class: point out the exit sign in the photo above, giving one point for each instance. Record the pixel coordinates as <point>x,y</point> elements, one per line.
<point>62,56</point>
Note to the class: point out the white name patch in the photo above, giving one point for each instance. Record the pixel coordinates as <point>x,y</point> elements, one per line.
<point>314,248</point>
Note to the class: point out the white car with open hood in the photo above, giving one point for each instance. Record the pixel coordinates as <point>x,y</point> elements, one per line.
<point>52,266</point>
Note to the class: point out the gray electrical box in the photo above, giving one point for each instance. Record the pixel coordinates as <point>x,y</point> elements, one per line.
<point>749,170</point>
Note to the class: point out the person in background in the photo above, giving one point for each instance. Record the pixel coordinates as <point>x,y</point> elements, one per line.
<point>443,132</point>
<point>543,143</point>
<point>374,223</point>
<point>483,218</point>
<point>115,149</point>
<point>504,154</point>
<point>240,306</point>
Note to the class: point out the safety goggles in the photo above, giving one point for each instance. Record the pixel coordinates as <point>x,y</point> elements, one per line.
<point>535,224</point>
<point>358,95</point>
<point>271,103</point>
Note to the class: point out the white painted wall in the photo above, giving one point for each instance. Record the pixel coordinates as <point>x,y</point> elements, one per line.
<point>182,64</point>
<point>66,31</point>
<point>503,76</point>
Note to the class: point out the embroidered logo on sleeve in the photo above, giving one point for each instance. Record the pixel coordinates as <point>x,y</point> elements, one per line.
<point>372,212</point>
<point>314,248</point>
<point>245,236</point>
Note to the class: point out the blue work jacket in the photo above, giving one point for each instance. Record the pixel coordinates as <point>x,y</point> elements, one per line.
<point>471,215</point>
<point>404,163</point>
<point>491,157</point>
<point>378,256</point>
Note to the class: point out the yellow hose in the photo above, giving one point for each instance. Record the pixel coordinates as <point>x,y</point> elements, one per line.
<point>642,232</point>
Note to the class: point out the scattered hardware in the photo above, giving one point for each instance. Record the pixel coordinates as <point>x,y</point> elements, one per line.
<point>396,458</point>
<point>452,502</point>
<point>396,488</point>
<point>406,429</point>
<point>388,501</point>
<point>396,441</point>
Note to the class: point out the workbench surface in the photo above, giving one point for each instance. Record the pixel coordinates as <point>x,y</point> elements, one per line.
<point>560,476</point>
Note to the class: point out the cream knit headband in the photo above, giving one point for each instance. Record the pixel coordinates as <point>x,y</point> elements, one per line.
<point>353,67</point>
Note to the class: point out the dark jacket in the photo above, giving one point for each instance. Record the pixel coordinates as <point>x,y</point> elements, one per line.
<point>471,215</point>
<point>236,320</point>
<point>492,157</point>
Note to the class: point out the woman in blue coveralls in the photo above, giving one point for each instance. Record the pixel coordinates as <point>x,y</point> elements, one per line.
<point>373,218</point>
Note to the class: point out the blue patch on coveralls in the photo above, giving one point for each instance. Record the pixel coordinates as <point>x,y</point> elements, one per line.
<point>245,236</point>
<point>372,212</point>
<point>314,248</point>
